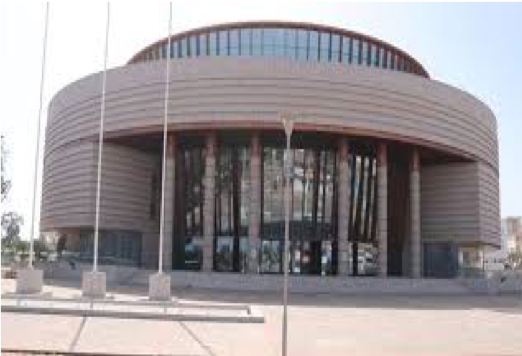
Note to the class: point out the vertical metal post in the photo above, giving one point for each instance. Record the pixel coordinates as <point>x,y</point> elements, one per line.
<point>100,144</point>
<point>38,130</point>
<point>288,125</point>
<point>165,138</point>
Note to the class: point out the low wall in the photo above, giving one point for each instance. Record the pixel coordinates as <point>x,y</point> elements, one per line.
<point>67,271</point>
<point>498,283</point>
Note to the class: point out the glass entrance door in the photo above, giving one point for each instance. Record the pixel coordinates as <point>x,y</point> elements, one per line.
<point>271,256</point>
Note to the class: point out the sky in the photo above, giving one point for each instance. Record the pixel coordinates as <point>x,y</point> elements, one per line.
<point>476,47</point>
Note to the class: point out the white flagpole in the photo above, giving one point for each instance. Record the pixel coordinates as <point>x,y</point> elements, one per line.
<point>165,118</point>
<point>37,153</point>
<point>100,143</point>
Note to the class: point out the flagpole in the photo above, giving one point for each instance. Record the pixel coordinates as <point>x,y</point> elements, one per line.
<point>165,138</point>
<point>38,133</point>
<point>100,143</point>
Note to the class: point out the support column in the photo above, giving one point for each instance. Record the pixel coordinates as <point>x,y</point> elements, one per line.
<point>170,177</point>
<point>382,209</point>
<point>209,203</point>
<point>343,209</point>
<point>255,204</point>
<point>415,238</point>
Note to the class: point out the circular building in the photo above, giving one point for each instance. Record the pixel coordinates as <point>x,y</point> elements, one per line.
<point>393,173</point>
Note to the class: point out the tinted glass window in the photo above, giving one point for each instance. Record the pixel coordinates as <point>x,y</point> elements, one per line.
<point>313,51</point>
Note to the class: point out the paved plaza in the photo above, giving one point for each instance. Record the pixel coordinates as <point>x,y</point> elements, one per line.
<point>318,325</point>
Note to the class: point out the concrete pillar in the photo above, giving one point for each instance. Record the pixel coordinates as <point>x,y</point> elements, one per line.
<point>209,203</point>
<point>343,209</point>
<point>29,280</point>
<point>94,284</point>
<point>170,170</point>
<point>415,231</point>
<point>382,210</point>
<point>255,204</point>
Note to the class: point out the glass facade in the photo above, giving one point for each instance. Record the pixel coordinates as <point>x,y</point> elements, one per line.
<point>119,247</point>
<point>314,203</point>
<point>305,44</point>
<point>231,208</point>
<point>188,212</point>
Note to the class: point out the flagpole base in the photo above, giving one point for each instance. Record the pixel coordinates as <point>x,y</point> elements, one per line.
<point>159,287</point>
<point>29,281</point>
<point>94,284</point>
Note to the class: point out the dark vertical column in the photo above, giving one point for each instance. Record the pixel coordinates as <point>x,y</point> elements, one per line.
<point>382,209</point>
<point>255,207</point>
<point>343,201</point>
<point>169,202</point>
<point>209,203</point>
<point>236,263</point>
<point>415,230</point>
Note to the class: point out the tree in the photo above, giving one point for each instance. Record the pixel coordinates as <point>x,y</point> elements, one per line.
<point>11,224</point>
<point>4,188</point>
<point>11,221</point>
<point>514,259</point>
<point>6,182</point>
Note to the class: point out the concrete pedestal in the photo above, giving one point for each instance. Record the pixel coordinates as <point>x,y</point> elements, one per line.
<point>159,287</point>
<point>94,284</point>
<point>29,281</point>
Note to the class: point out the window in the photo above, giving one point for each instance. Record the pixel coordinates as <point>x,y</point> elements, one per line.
<point>291,43</point>
<point>324,43</point>
<point>193,47</point>
<point>363,58</point>
<point>245,40</point>
<point>302,44</point>
<point>347,45</point>
<point>279,42</point>
<point>203,49</point>
<point>188,211</point>
<point>116,247</point>
<point>257,41</point>
<point>313,208</point>
<point>232,205</point>
<point>183,48</point>
<point>164,50</point>
<point>373,55</point>
<point>269,38</point>
<point>313,46</point>
<point>234,42</point>
<point>213,45</point>
<point>382,53</point>
<point>173,49</point>
<point>355,51</point>
<point>223,46</point>
<point>335,48</point>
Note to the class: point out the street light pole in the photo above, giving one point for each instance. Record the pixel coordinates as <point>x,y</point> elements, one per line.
<point>288,124</point>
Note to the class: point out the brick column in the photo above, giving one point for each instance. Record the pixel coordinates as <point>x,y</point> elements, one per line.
<point>209,203</point>
<point>168,227</point>
<point>255,204</point>
<point>382,209</point>
<point>343,209</point>
<point>415,231</point>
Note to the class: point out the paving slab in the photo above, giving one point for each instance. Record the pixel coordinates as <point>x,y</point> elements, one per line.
<point>318,325</point>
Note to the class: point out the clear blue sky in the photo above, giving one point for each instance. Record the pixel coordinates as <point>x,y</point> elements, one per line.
<point>473,46</point>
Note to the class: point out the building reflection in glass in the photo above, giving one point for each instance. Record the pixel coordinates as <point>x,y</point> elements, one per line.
<point>314,202</point>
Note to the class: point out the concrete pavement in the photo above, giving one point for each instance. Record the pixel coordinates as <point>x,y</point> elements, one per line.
<point>322,324</point>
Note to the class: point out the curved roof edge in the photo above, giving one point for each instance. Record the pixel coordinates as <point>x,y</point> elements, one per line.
<point>283,24</point>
